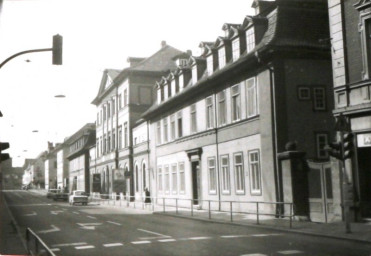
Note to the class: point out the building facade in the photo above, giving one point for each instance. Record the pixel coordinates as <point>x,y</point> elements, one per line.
<point>350,27</point>
<point>123,96</point>
<point>222,118</point>
<point>50,167</point>
<point>62,165</point>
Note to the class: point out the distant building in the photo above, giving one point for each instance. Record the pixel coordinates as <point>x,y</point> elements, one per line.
<point>62,150</point>
<point>122,97</point>
<point>50,167</point>
<point>11,177</point>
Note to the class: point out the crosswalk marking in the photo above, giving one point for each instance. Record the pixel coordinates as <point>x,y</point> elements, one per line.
<point>91,217</point>
<point>233,236</point>
<point>166,240</point>
<point>115,223</point>
<point>199,238</point>
<point>84,247</point>
<point>113,245</point>
<point>290,252</point>
<point>141,242</point>
<point>68,244</point>
<point>55,250</point>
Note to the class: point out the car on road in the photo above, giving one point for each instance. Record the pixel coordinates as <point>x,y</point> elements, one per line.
<point>78,197</point>
<point>51,193</point>
<point>60,195</point>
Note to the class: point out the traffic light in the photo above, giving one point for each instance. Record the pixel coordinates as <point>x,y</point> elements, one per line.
<point>57,49</point>
<point>348,145</point>
<point>335,150</point>
<point>4,156</point>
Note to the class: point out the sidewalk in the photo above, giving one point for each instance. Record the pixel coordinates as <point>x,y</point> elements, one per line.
<point>10,239</point>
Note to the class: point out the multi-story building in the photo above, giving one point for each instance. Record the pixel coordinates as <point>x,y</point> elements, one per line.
<point>62,165</point>
<point>350,28</point>
<point>221,119</point>
<point>39,170</point>
<point>122,97</point>
<point>50,167</point>
<point>79,157</point>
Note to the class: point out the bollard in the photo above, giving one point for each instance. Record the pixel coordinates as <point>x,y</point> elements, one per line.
<point>209,211</point>
<point>231,211</point>
<point>257,213</point>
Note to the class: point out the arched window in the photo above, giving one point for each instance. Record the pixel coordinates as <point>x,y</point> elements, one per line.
<point>136,178</point>
<point>144,175</point>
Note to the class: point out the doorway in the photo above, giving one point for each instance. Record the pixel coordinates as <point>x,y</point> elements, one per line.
<point>364,177</point>
<point>195,181</point>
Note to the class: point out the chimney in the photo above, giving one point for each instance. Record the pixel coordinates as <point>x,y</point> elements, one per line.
<point>163,43</point>
<point>50,146</point>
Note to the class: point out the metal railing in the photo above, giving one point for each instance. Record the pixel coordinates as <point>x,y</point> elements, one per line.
<point>36,246</point>
<point>257,209</point>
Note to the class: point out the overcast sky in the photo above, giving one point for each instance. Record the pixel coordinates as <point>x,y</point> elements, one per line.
<point>97,35</point>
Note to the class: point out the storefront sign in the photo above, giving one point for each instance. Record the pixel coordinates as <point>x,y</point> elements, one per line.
<point>364,140</point>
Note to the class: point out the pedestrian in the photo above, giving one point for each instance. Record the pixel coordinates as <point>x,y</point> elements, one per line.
<point>148,196</point>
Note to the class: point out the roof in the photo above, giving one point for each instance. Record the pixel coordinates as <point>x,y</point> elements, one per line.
<point>107,73</point>
<point>161,61</point>
<point>82,131</point>
<point>295,25</point>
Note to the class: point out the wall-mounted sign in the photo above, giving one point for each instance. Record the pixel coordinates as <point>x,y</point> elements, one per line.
<point>364,140</point>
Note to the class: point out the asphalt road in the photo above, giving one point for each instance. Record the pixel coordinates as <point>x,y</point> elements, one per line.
<point>98,230</point>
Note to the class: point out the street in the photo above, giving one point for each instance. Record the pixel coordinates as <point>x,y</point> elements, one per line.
<point>97,230</point>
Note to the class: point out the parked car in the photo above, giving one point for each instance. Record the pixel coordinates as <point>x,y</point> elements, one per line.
<point>78,197</point>
<point>60,195</point>
<point>51,193</point>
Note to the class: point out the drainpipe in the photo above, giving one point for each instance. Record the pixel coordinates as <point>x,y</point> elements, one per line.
<point>217,151</point>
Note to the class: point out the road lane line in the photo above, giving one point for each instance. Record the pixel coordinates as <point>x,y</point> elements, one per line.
<point>91,217</point>
<point>254,254</point>
<point>69,244</point>
<point>113,245</point>
<point>260,235</point>
<point>167,240</point>
<point>233,236</point>
<point>30,214</point>
<point>199,238</point>
<point>54,229</point>
<point>76,212</point>
<point>290,252</point>
<point>141,242</point>
<point>55,249</point>
<point>115,223</point>
<point>84,247</point>
<point>151,232</point>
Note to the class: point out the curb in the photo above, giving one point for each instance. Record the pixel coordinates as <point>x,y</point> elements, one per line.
<point>303,232</point>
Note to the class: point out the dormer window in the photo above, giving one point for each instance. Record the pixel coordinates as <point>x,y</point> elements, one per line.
<point>173,87</point>
<point>210,64</point>
<point>221,55</point>
<point>159,95</point>
<point>236,49</point>
<point>166,92</point>
<point>181,82</point>
<point>194,74</point>
<point>250,39</point>
<point>182,62</point>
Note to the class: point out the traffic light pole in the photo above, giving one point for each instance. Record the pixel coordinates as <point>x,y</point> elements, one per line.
<point>344,187</point>
<point>24,52</point>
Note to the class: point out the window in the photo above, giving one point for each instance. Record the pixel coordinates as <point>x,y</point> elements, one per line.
<point>167,178</point>
<point>210,64</point>
<point>236,102</point>
<point>180,124</point>
<point>174,179</point>
<point>226,185</point>
<point>136,178</point>
<point>101,116</point>
<point>166,130</point>
<point>252,97</point>
<point>125,97</point>
<point>365,91</point>
<point>101,146</point>
<point>319,98</point>
<point>212,175</point>
<point>193,118</point>
<point>114,139</point>
<point>109,142</point>
<point>159,95</point>
<point>321,142</point>
<point>222,61</point>
<point>236,49</point>
<point>97,151</point>
<point>120,138</point>
<point>239,173</point>
<point>144,182</point>
<point>254,161</point>
<point>303,93</point>
<point>104,113</point>
<point>172,127</point>
<point>158,137</point>
<point>113,106</point>
<point>108,110</point>
<point>159,171</point>
<point>181,178</point>
<point>366,45</point>
<point>209,113</point>
<point>125,134</point>
<point>105,144</point>
<point>250,40</point>
<point>222,111</point>
<point>120,101</point>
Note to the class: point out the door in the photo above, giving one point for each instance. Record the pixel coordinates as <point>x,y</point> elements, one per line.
<point>364,172</point>
<point>320,192</point>
<point>195,183</point>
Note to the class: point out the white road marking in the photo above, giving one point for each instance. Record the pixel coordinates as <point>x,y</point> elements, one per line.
<point>233,236</point>
<point>199,238</point>
<point>70,244</point>
<point>30,214</point>
<point>91,217</point>
<point>84,247</point>
<point>55,212</point>
<point>54,229</point>
<point>254,254</point>
<point>113,244</point>
<point>90,226</point>
<point>76,212</point>
<point>290,252</point>
<point>115,223</point>
<point>141,242</point>
<point>55,250</point>
<point>166,240</point>
<point>27,205</point>
<point>151,232</point>
<point>260,235</point>
<point>16,194</point>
